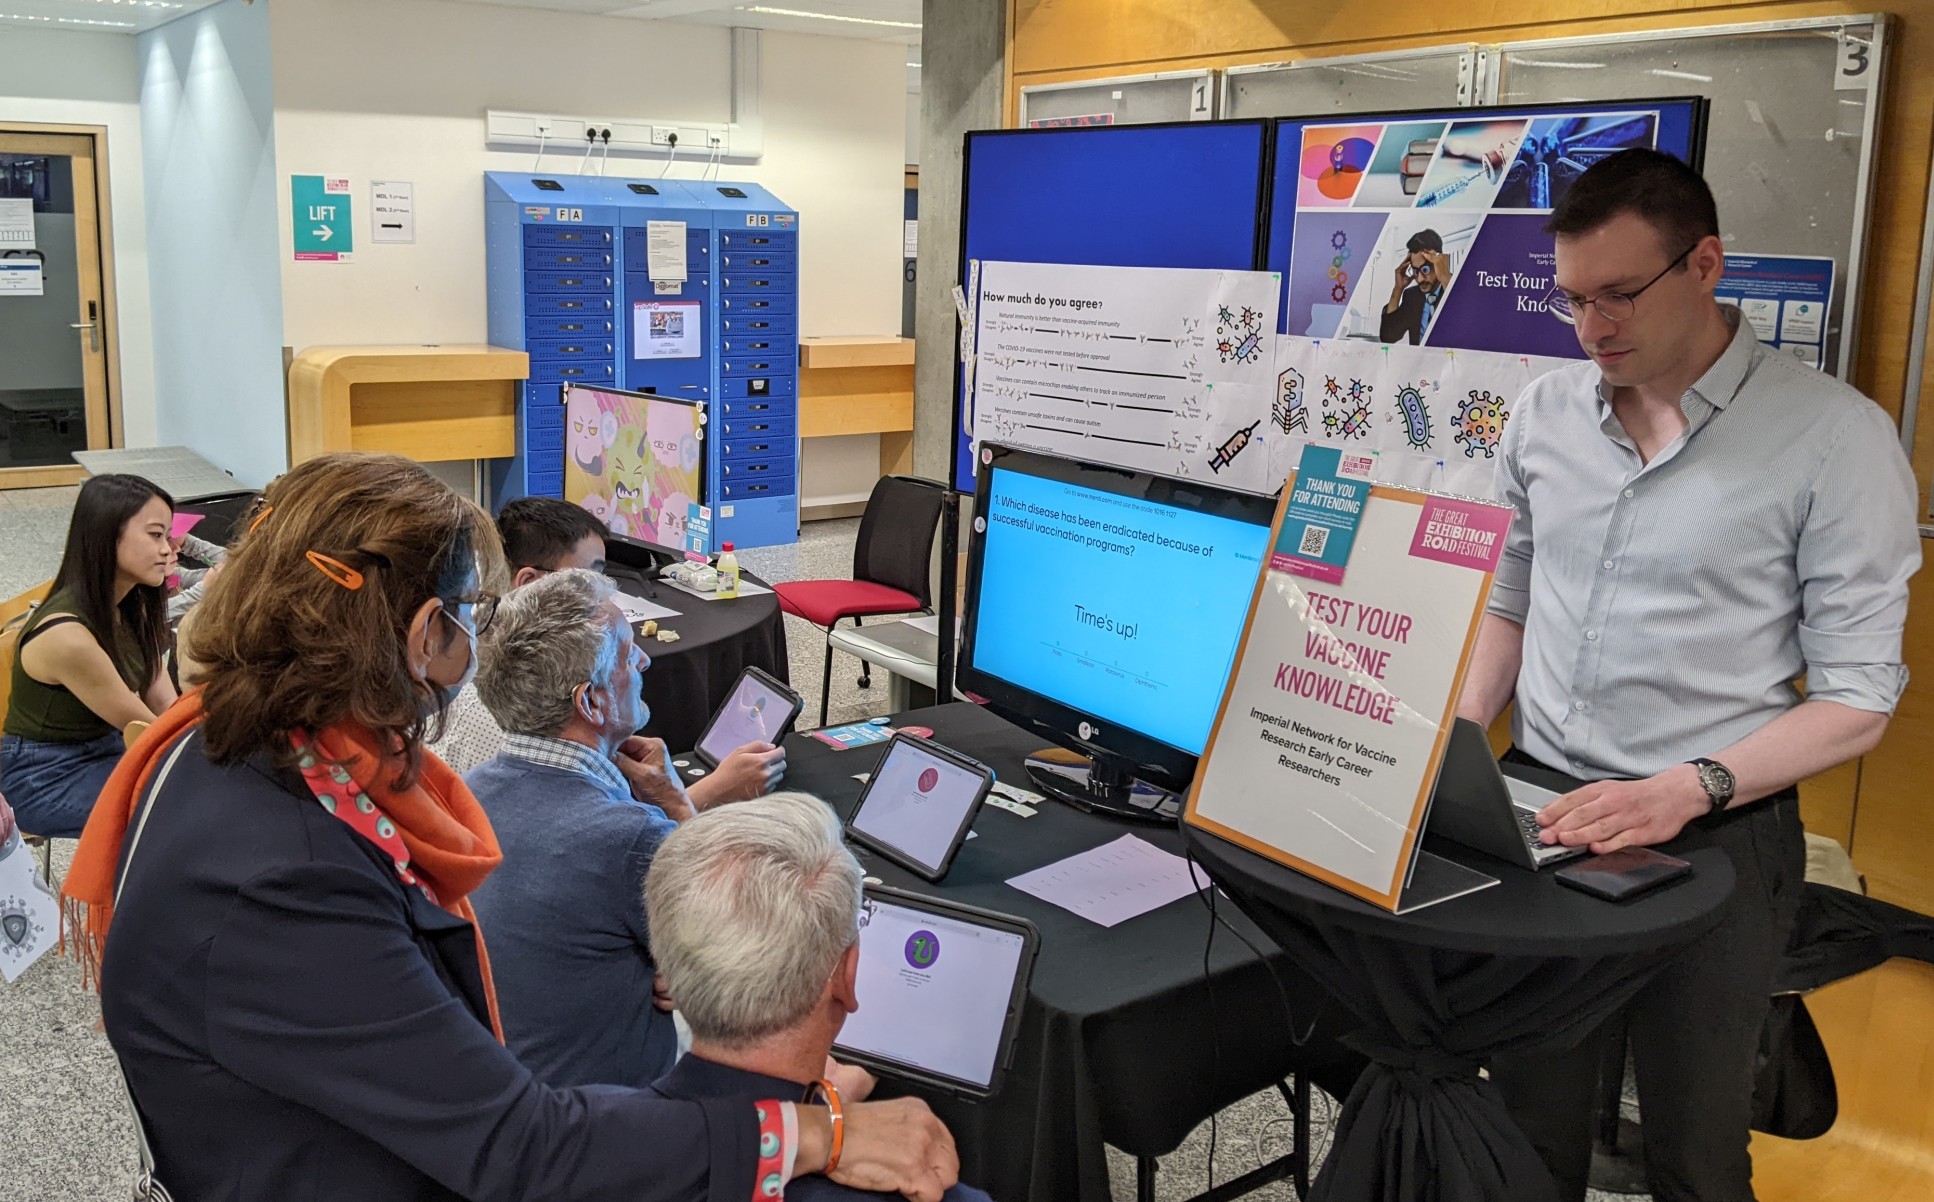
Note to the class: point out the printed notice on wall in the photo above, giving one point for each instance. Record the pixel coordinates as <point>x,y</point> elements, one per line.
<point>1168,370</point>
<point>393,205</point>
<point>665,250</point>
<point>16,225</point>
<point>1331,732</point>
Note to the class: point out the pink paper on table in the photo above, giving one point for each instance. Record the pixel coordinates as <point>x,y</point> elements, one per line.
<point>183,523</point>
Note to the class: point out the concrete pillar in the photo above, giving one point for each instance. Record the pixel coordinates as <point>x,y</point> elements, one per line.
<point>962,84</point>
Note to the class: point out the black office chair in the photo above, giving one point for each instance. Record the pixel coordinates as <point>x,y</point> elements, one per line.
<point>890,568</point>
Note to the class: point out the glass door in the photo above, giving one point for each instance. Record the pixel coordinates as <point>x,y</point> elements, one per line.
<point>53,314</point>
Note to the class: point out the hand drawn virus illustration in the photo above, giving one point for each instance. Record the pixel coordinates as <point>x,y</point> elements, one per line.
<point>1360,391</point>
<point>1287,413</point>
<point>1414,416</point>
<point>1332,390</point>
<point>1348,424</point>
<point>1480,423</point>
<point>1239,335</point>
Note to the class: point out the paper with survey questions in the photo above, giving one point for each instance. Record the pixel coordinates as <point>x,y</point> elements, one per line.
<point>1168,370</point>
<point>1115,882</point>
<point>637,609</point>
<point>29,911</point>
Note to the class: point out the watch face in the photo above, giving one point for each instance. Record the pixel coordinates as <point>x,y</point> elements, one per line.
<point>1717,779</point>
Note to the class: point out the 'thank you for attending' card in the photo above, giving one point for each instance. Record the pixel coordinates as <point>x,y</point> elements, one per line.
<point>1325,753</point>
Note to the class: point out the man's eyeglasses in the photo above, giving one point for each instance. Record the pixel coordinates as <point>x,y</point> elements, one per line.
<point>1612,306</point>
<point>483,608</point>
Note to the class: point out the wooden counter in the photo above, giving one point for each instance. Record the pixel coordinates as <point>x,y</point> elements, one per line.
<point>431,403</point>
<point>859,384</point>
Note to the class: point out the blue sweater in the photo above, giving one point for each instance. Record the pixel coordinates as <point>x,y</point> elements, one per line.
<point>564,923</point>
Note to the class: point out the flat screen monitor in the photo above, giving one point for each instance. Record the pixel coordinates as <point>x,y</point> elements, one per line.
<point>635,460</point>
<point>1104,606</point>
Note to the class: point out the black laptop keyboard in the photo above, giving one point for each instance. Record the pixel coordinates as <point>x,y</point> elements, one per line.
<point>1528,823</point>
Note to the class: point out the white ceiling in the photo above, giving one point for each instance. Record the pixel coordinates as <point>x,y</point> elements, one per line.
<point>100,16</point>
<point>872,20</point>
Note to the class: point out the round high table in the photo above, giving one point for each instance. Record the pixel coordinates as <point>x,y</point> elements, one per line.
<point>1524,966</point>
<point>690,679</point>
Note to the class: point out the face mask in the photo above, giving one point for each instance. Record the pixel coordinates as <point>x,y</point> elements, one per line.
<point>450,691</point>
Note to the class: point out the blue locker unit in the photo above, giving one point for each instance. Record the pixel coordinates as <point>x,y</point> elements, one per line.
<point>552,249</point>
<point>741,251</point>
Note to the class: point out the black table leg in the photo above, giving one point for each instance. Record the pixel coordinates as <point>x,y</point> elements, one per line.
<point>1300,1125</point>
<point>1293,1164</point>
<point>1618,1151</point>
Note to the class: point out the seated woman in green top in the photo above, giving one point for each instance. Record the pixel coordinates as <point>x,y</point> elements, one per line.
<point>90,660</point>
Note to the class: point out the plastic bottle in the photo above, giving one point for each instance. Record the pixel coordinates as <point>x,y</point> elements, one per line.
<point>728,573</point>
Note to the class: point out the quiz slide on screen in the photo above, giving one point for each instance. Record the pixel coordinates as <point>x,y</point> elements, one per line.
<point>933,992</point>
<point>1115,607</point>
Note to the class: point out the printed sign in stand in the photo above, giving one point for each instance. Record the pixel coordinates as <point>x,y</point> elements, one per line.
<point>1325,753</point>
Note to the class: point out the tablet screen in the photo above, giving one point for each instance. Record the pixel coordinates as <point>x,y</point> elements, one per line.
<point>933,992</point>
<point>915,803</point>
<point>754,713</point>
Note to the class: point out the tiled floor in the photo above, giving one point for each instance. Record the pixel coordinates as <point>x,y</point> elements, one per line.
<point>63,1130</point>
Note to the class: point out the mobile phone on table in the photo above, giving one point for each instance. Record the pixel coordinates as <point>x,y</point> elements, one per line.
<point>1623,874</point>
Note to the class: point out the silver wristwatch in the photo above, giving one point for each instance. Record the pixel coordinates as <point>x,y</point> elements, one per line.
<point>1717,780</point>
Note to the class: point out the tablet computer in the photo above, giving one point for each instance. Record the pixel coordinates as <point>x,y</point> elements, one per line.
<point>941,986</point>
<point>758,710</point>
<point>919,804</point>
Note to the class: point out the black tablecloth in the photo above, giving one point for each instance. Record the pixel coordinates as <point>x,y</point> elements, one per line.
<point>689,679</point>
<point>1525,966</point>
<point>1118,1039</point>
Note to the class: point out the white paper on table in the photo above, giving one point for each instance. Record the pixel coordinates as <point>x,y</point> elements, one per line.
<point>746,589</point>
<point>16,225</point>
<point>1115,882</point>
<point>637,609</point>
<point>29,911</point>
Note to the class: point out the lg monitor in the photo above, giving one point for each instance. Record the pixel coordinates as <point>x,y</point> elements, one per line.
<point>1103,611</point>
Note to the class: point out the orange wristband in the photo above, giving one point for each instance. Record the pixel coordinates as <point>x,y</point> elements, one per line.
<point>831,1093</point>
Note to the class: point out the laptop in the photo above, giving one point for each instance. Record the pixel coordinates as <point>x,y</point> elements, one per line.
<point>1477,805</point>
<point>919,805</point>
<point>941,986</point>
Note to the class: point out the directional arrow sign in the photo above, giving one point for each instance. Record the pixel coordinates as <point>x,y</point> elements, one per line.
<point>320,212</point>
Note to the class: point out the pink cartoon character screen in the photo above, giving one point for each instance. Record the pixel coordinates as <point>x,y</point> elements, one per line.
<point>634,460</point>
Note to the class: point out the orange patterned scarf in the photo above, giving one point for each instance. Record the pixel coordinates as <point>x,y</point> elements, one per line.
<point>448,844</point>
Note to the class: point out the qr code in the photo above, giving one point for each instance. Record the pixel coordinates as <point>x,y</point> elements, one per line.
<point>1315,538</point>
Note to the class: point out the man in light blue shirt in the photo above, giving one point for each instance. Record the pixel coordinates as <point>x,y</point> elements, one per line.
<point>1701,604</point>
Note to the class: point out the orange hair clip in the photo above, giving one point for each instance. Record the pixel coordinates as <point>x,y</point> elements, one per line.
<point>336,570</point>
<point>261,517</point>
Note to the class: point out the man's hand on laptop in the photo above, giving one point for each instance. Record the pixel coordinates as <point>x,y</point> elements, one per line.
<point>652,777</point>
<point>1609,814</point>
<point>749,772</point>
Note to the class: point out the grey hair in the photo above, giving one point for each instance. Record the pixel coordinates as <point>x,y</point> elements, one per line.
<point>750,907</point>
<point>546,639</point>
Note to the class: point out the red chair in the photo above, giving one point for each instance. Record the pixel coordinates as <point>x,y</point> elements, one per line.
<point>890,568</point>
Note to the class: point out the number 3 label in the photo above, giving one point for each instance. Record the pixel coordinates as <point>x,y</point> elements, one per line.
<point>1856,69</point>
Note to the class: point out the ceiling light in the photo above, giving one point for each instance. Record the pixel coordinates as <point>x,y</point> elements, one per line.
<point>69,21</point>
<point>763,10</point>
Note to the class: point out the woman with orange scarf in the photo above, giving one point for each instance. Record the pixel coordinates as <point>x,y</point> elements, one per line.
<point>274,890</point>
